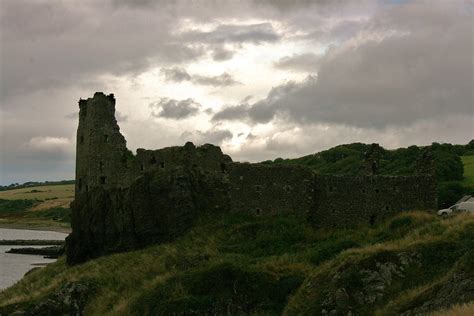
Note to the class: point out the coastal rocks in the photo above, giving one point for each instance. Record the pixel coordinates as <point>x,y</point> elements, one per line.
<point>31,242</point>
<point>51,252</point>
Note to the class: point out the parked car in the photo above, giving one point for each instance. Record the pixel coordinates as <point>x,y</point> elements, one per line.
<point>461,207</point>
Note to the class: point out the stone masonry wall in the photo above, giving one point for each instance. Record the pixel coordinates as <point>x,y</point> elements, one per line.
<point>100,146</point>
<point>343,201</point>
<point>269,190</point>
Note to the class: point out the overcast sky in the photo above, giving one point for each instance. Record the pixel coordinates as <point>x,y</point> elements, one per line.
<point>262,79</point>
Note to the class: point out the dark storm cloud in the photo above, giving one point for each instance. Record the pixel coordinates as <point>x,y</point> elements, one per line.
<point>404,75</point>
<point>50,45</point>
<point>174,109</point>
<point>177,74</point>
<point>53,45</point>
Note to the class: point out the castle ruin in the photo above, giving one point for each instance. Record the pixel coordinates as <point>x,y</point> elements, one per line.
<point>126,201</point>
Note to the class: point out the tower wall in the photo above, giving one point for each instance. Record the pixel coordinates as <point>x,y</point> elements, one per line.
<point>101,149</point>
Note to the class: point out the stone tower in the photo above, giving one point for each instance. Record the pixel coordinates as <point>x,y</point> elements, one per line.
<point>100,147</point>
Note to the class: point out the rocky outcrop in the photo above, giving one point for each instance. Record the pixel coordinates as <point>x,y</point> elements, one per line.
<point>458,289</point>
<point>388,282</point>
<point>70,299</point>
<point>368,285</point>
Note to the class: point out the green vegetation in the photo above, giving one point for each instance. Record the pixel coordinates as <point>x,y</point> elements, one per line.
<point>14,206</point>
<point>468,162</point>
<point>44,206</point>
<point>43,192</point>
<point>280,265</point>
<point>30,184</point>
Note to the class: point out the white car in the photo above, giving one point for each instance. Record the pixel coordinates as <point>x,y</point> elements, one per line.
<point>461,207</point>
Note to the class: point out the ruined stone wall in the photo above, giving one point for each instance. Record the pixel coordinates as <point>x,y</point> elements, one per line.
<point>125,201</point>
<point>208,157</point>
<point>103,160</point>
<point>262,190</point>
<point>344,201</point>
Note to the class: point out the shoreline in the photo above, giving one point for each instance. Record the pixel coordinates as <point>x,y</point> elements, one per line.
<point>41,227</point>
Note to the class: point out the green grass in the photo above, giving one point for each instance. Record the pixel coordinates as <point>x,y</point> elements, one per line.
<point>44,206</point>
<point>65,191</point>
<point>468,162</point>
<point>15,206</point>
<point>261,266</point>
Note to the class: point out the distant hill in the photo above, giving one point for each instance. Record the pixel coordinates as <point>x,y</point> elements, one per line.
<point>30,184</point>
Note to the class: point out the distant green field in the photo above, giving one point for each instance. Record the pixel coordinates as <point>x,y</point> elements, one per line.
<point>40,193</point>
<point>468,162</point>
<point>45,207</point>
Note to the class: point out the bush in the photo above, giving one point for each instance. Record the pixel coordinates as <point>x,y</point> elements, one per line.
<point>14,206</point>
<point>449,193</point>
<point>220,289</point>
<point>326,250</point>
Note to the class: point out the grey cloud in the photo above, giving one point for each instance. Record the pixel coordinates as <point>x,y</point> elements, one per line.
<point>230,113</point>
<point>222,54</point>
<point>175,109</point>
<point>222,80</point>
<point>65,45</point>
<point>262,111</point>
<point>177,74</point>
<point>394,81</point>
<point>341,31</point>
<point>234,33</point>
<point>307,62</point>
<point>213,136</point>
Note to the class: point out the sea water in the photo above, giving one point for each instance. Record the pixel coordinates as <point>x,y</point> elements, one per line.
<point>14,266</point>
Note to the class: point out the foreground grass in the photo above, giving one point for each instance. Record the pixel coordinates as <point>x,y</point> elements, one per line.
<point>468,162</point>
<point>240,265</point>
<point>457,310</point>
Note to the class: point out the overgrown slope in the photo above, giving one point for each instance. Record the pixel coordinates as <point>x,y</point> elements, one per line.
<point>239,265</point>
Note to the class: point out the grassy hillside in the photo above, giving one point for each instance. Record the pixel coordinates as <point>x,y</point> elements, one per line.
<point>44,192</point>
<point>45,206</point>
<point>241,265</point>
